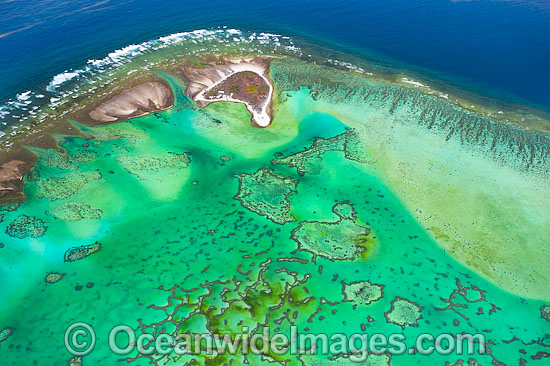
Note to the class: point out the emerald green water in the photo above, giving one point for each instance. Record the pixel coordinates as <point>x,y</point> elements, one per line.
<point>169,222</point>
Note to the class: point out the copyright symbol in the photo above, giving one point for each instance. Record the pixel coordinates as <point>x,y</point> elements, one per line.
<point>80,339</point>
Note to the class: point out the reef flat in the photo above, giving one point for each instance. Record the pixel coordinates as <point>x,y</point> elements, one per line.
<point>458,172</point>
<point>371,202</point>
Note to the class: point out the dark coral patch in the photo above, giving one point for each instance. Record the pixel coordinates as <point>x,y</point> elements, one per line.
<point>26,226</point>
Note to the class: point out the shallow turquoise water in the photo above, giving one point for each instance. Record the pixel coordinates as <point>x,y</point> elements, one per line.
<point>164,224</point>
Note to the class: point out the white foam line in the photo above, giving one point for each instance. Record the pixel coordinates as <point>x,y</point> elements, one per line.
<point>94,68</point>
<point>415,83</point>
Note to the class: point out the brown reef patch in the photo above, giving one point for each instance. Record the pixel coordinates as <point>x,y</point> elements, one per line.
<point>545,312</point>
<point>81,252</point>
<point>5,334</point>
<point>54,277</point>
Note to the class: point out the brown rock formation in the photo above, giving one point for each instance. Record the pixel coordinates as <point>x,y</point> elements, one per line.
<point>138,101</point>
<point>11,180</point>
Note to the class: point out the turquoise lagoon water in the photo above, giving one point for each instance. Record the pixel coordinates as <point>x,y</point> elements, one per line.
<point>192,220</point>
<point>206,224</point>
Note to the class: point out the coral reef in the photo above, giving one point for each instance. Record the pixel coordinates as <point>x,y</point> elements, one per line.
<point>266,193</point>
<point>308,161</point>
<point>404,313</point>
<point>253,300</point>
<point>527,149</point>
<point>54,277</point>
<point>73,211</point>
<point>373,359</point>
<point>57,159</point>
<point>340,240</point>
<point>545,312</point>
<point>142,165</point>
<point>26,226</point>
<point>5,333</point>
<point>56,188</point>
<point>125,131</point>
<point>81,252</point>
<point>470,362</point>
<point>10,207</point>
<point>75,361</point>
<point>362,292</point>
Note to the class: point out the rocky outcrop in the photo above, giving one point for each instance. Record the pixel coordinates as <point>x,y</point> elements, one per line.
<point>138,101</point>
<point>11,181</point>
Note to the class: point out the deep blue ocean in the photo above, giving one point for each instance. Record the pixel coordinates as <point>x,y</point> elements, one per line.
<point>498,48</point>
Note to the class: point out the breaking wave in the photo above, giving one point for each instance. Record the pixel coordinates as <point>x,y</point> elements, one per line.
<point>35,104</point>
